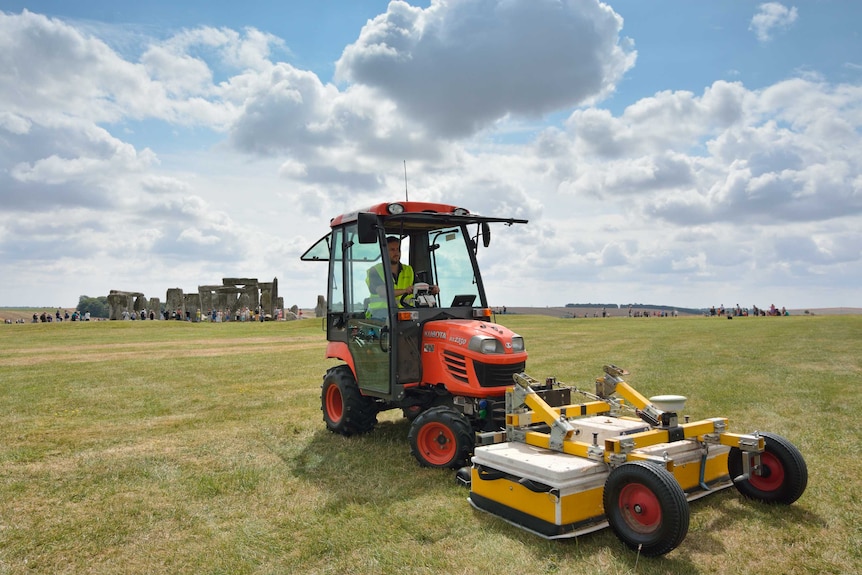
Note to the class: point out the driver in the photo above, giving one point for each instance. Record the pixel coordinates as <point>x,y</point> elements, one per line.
<point>402,277</point>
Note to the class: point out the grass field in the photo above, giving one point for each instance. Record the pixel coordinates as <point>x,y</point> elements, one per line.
<point>170,447</point>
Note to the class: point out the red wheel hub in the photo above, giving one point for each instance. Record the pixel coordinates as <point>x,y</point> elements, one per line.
<point>771,475</point>
<point>640,508</point>
<point>437,443</point>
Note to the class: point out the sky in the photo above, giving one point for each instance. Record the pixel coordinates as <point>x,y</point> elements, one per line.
<point>666,152</point>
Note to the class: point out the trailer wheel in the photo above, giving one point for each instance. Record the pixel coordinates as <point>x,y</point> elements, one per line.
<point>646,507</point>
<point>782,478</point>
<point>345,409</point>
<point>441,437</point>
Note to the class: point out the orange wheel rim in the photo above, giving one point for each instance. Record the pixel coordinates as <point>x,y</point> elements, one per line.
<point>437,443</point>
<point>334,403</point>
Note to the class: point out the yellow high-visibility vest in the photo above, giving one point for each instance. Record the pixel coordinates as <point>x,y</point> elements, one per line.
<point>404,281</point>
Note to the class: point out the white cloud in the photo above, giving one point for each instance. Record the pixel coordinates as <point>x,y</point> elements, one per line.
<point>458,67</point>
<point>771,17</point>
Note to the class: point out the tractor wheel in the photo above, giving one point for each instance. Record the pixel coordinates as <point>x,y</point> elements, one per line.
<point>441,437</point>
<point>783,475</point>
<point>345,409</point>
<point>646,507</point>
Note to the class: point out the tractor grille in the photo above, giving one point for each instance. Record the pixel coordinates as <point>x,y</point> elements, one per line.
<point>456,365</point>
<point>489,374</point>
<point>493,375</point>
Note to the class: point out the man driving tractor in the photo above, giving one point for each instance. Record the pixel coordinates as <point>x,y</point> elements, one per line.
<point>402,277</point>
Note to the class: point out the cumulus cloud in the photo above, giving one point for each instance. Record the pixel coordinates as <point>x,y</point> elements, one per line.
<point>730,153</point>
<point>458,67</point>
<point>772,17</point>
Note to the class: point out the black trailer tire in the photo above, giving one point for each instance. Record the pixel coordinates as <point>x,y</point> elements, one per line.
<point>783,477</point>
<point>646,507</point>
<point>345,410</point>
<point>441,437</point>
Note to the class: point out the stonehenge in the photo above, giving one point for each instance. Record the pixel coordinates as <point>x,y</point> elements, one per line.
<point>122,301</point>
<point>231,297</point>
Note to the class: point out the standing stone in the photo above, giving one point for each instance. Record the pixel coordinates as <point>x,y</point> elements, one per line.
<point>175,302</point>
<point>206,293</point>
<point>192,305</point>
<point>140,303</point>
<point>116,305</point>
<point>120,301</point>
<point>155,307</point>
<point>266,302</point>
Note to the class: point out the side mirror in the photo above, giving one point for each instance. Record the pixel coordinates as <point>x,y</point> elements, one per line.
<point>366,224</point>
<point>486,234</point>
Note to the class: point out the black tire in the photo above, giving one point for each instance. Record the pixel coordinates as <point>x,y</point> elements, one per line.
<point>441,437</point>
<point>646,507</point>
<point>345,410</point>
<point>783,477</point>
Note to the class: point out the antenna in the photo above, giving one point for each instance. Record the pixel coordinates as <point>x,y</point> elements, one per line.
<point>406,196</point>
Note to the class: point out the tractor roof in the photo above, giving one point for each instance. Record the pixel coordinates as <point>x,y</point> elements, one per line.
<point>421,214</point>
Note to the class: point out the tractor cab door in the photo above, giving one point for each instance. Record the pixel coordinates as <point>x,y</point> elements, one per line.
<point>367,329</point>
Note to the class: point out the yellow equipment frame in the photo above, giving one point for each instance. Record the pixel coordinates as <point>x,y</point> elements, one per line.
<point>525,407</point>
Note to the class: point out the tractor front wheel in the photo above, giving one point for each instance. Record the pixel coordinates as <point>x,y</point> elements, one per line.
<point>441,437</point>
<point>781,478</point>
<point>646,507</point>
<point>345,410</point>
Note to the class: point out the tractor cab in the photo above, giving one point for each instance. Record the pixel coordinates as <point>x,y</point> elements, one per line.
<point>382,334</point>
<point>433,346</point>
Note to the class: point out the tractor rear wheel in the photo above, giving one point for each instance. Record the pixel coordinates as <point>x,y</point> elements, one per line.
<point>441,437</point>
<point>345,409</point>
<point>646,507</point>
<point>782,477</point>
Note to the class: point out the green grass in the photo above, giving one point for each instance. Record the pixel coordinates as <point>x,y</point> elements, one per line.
<point>168,447</point>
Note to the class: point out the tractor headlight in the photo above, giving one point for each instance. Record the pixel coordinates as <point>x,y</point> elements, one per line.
<point>517,343</point>
<point>395,209</point>
<point>485,344</point>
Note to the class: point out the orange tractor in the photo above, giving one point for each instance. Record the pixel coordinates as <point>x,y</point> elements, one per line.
<point>433,353</point>
<point>538,459</point>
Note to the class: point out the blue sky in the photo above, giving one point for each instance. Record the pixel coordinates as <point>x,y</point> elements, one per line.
<point>668,152</point>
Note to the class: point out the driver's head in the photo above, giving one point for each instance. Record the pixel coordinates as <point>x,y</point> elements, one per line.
<point>394,245</point>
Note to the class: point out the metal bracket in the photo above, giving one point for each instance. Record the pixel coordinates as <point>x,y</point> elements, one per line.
<point>616,459</point>
<point>627,445</point>
<point>560,430</point>
<point>596,453</point>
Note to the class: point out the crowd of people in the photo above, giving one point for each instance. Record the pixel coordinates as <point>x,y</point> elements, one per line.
<point>213,315</point>
<point>60,315</point>
<point>738,311</point>
<point>244,314</point>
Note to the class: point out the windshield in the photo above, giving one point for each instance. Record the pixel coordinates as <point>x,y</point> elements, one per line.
<point>453,267</point>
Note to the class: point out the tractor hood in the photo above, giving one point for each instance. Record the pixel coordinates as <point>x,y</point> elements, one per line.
<point>474,336</point>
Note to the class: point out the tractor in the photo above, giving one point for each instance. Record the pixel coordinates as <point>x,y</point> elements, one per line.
<point>434,353</point>
<point>529,453</point>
